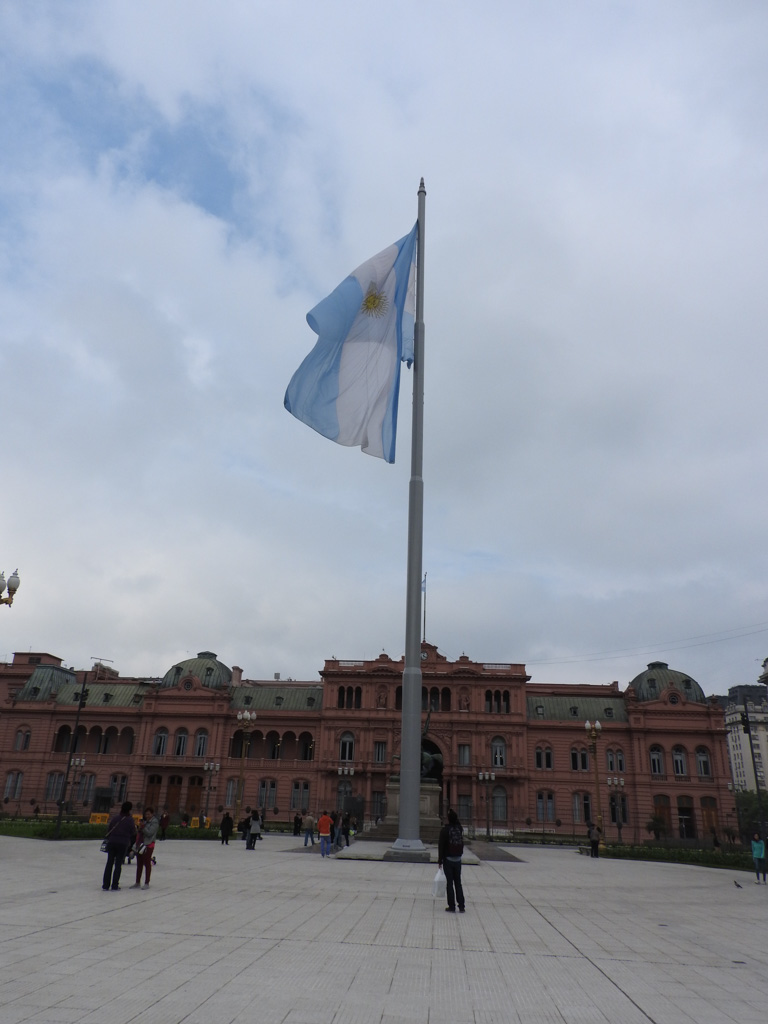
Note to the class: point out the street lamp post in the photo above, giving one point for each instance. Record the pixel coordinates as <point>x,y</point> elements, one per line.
<point>78,764</point>
<point>82,697</point>
<point>243,716</point>
<point>593,733</point>
<point>209,768</point>
<point>487,778</point>
<point>616,790</point>
<point>13,585</point>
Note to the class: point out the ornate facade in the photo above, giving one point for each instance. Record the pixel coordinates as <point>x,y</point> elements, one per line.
<point>508,754</point>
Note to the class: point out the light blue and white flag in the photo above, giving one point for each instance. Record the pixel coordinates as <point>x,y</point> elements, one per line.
<point>347,387</point>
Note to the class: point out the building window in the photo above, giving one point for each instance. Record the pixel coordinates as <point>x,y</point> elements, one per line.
<point>703,766</point>
<point>85,787</point>
<point>498,752</point>
<point>119,785</point>
<point>464,754</point>
<point>678,761</point>
<point>267,790</point>
<point>347,747</point>
<point>464,808</point>
<point>657,761</point>
<point>23,737</point>
<point>579,760</point>
<point>299,796</point>
<point>180,744</point>
<point>379,806</point>
<point>544,757</point>
<point>201,743</point>
<point>160,744</point>
<point>545,806</point>
<point>13,785</point>
<point>231,796</point>
<point>618,805</point>
<point>574,712</point>
<point>619,760</point>
<point>610,761</point>
<point>54,785</point>
<point>380,752</point>
<point>540,710</point>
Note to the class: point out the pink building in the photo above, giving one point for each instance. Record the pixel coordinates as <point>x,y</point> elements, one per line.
<point>507,753</point>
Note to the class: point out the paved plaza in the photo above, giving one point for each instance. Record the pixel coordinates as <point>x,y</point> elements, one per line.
<point>281,936</point>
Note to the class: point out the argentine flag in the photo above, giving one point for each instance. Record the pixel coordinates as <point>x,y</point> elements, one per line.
<point>347,387</point>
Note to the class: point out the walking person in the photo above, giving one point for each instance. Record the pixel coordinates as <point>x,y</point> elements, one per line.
<point>308,824</point>
<point>450,847</point>
<point>226,828</point>
<point>758,856</point>
<point>121,833</point>
<point>296,824</point>
<point>345,827</point>
<point>594,840</point>
<point>145,839</point>
<point>324,826</point>
<point>165,820</point>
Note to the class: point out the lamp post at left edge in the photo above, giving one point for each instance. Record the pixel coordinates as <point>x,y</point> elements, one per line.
<point>13,585</point>
<point>245,742</point>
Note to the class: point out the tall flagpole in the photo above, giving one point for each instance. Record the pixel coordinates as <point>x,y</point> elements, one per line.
<point>408,841</point>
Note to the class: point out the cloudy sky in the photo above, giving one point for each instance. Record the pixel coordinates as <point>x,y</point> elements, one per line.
<point>180,182</point>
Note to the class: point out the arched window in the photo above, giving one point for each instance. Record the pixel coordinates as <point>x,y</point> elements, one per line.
<point>340,702</point>
<point>434,699</point>
<point>581,808</point>
<point>703,765</point>
<point>109,741</point>
<point>505,701</point>
<point>619,760</point>
<point>657,760</point>
<point>445,699</point>
<point>488,700</point>
<point>498,752</point>
<point>160,743</point>
<point>180,742</point>
<point>85,787</point>
<point>497,701</point>
<point>267,791</point>
<point>349,697</point>
<point>23,737</point>
<point>201,743</point>
<point>63,740</point>
<point>424,699</point>
<point>709,820</point>
<point>347,747</point>
<point>678,761</point>
<point>399,699</point>
<point>610,760</point>
<point>358,696</point>
<point>662,810</point>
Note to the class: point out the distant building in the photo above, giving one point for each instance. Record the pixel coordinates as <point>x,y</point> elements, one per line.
<point>746,716</point>
<point>507,753</point>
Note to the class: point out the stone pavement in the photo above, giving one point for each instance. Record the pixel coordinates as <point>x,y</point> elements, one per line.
<point>281,936</point>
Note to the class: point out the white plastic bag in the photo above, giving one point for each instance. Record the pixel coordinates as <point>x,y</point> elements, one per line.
<point>438,885</point>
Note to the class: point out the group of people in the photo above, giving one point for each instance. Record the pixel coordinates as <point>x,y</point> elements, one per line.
<point>124,840</point>
<point>334,830</point>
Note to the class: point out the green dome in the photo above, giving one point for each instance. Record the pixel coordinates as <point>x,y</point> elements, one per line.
<point>649,685</point>
<point>206,667</point>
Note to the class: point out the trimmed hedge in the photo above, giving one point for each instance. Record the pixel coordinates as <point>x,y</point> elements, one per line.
<point>738,861</point>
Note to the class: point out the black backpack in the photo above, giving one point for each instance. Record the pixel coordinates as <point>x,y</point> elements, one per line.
<point>455,845</point>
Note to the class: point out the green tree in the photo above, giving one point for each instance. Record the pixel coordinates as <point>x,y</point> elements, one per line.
<point>752,811</point>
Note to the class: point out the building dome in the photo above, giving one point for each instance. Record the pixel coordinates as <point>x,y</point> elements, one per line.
<point>206,667</point>
<point>649,685</point>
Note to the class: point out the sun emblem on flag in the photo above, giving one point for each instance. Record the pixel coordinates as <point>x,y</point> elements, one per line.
<point>375,302</point>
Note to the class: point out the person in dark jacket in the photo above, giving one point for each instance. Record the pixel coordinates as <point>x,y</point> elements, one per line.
<point>226,828</point>
<point>450,847</point>
<point>121,834</point>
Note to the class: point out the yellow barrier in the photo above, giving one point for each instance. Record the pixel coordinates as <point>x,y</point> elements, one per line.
<point>98,819</point>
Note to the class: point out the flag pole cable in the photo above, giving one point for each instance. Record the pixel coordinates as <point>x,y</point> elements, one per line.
<point>410,742</point>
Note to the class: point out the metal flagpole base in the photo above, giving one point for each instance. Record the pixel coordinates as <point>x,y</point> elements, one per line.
<point>412,851</point>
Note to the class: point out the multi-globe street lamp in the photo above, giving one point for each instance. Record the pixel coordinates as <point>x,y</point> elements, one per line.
<point>616,793</point>
<point>593,733</point>
<point>210,768</point>
<point>245,742</point>
<point>487,778</point>
<point>13,585</point>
